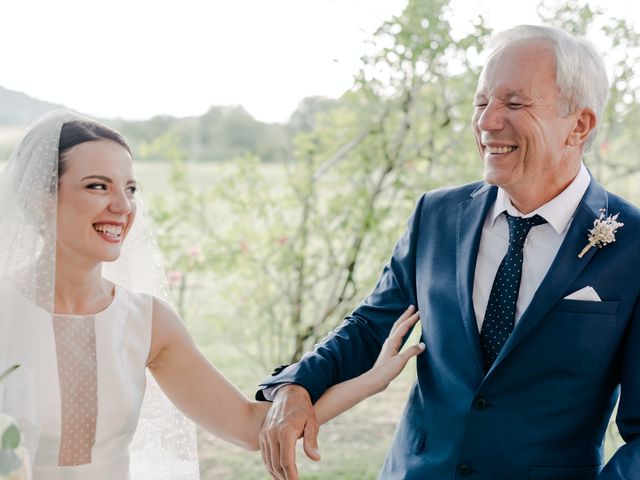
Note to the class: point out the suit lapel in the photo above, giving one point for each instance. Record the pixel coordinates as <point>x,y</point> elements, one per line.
<point>564,270</point>
<point>471,216</point>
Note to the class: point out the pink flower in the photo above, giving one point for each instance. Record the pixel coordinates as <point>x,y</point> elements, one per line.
<point>174,277</point>
<point>283,240</point>
<point>195,252</point>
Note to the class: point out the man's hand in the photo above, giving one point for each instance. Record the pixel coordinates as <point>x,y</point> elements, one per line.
<point>292,416</point>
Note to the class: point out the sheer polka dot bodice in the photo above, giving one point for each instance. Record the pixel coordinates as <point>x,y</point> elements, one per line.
<point>94,376</point>
<point>78,376</point>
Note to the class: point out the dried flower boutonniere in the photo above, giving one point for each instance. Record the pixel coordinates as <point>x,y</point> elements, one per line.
<point>603,232</point>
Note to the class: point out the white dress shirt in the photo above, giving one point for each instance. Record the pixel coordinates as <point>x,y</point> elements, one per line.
<point>540,247</point>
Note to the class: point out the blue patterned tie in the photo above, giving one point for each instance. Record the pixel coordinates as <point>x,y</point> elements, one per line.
<point>501,309</point>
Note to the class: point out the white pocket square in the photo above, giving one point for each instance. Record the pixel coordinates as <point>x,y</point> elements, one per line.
<point>586,293</point>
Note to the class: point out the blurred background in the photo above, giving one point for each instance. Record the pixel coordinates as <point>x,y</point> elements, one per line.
<point>281,145</point>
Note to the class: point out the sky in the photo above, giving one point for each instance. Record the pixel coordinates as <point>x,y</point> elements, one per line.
<point>138,58</point>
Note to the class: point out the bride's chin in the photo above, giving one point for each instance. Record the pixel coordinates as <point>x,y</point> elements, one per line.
<point>111,256</point>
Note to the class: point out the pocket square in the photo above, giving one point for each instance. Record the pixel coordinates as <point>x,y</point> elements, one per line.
<point>586,293</point>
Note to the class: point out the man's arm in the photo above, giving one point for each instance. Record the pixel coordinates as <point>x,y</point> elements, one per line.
<point>345,353</point>
<point>625,464</point>
<point>352,348</point>
<point>344,395</point>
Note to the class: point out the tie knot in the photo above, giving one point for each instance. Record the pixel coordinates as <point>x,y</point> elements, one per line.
<point>519,228</point>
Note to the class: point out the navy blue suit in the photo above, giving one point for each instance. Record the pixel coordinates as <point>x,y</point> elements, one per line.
<point>541,412</point>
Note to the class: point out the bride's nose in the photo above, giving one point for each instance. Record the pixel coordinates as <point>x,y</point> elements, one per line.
<point>120,202</point>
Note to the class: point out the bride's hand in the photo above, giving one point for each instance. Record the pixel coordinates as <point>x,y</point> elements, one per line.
<point>390,362</point>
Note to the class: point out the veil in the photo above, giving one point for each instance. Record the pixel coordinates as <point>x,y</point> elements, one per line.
<point>164,445</point>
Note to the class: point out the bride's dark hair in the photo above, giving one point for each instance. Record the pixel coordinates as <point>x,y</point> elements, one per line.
<point>80,131</point>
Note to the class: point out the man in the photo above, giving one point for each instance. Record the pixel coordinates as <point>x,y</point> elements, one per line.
<point>530,329</point>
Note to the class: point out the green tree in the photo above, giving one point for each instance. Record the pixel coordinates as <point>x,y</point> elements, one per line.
<point>310,235</point>
<point>612,159</point>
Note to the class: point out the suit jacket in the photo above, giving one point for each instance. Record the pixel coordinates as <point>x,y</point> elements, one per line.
<point>542,410</point>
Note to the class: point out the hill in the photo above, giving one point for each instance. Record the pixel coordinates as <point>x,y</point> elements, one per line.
<point>18,109</point>
<point>222,133</point>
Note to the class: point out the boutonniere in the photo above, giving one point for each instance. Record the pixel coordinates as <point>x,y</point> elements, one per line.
<point>603,232</point>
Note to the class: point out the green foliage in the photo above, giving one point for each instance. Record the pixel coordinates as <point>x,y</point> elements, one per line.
<point>9,442</point>
<point>221,134</point>
<point>306,239</point>
<point>10,438</point>
<point>612,159</point>
<point>304,118</point>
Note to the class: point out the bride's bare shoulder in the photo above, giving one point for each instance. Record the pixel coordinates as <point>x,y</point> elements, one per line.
<point>168,331</point>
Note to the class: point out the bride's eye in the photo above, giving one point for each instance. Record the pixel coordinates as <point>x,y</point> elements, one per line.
<point>97,186</point>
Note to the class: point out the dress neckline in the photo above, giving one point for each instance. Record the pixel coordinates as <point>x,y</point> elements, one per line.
<point>116,293</point>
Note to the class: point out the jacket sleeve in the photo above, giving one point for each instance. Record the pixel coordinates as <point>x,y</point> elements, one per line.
<point>625,464</point>
<point>353,347</point>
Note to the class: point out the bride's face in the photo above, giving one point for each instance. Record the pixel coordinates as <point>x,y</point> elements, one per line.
<point>96,201</point>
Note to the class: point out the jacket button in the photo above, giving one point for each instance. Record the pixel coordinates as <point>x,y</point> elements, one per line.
<point>480,403</point>
<point>465,470</point>
<point>277,370</point>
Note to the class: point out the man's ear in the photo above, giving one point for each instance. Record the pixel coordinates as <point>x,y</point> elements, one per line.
<point>585,123</point>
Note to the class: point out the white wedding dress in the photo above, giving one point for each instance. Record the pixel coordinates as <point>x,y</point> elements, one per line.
<point>92,374</point>
<point>77,396</point>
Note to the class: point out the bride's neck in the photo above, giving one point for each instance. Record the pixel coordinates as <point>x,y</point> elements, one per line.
<point>81,291</point>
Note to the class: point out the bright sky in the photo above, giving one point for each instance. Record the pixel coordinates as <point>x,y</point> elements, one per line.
<point>138,58</point>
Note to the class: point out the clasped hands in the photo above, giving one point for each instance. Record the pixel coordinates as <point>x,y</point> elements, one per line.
<point>292,415</point>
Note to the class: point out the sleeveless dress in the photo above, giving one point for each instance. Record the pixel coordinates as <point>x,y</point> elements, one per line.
<point>93,383</point>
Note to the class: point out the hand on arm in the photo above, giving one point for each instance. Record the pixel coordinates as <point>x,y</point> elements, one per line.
<point>388,366</point>
<point>293,415</point>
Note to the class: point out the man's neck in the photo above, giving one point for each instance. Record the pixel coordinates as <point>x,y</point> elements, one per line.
<point>530,197</point>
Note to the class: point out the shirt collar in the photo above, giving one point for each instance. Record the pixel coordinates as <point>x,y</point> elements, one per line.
<point>557,212</point>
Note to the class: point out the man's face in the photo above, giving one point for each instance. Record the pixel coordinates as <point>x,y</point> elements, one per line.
<point>519,129</point>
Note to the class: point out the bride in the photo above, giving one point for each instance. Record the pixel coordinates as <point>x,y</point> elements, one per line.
<point>87,316</point>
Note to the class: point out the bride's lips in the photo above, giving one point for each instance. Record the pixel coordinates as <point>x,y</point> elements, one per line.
<point>109,231</point>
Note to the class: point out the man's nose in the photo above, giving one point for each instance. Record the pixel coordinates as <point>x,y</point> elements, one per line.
<point>491,117</point>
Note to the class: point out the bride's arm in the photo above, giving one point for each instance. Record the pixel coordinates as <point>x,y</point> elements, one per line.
<point>202,393</point>
<point>196,387</point>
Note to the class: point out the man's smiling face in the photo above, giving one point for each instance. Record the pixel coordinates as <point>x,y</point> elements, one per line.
<point>520,130</point>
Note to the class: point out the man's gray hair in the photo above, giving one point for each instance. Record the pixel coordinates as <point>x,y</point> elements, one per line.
<point>580,72</point>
